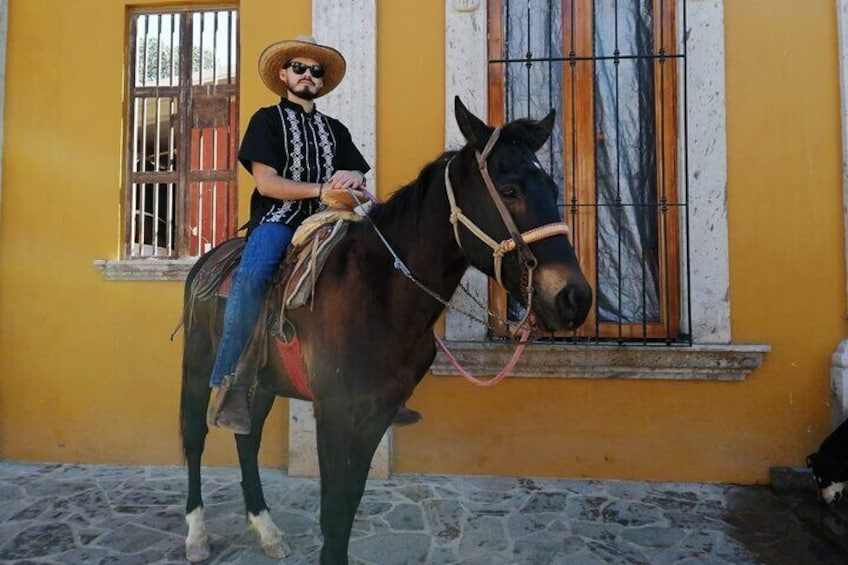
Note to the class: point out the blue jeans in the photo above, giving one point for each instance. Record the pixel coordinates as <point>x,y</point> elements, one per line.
<point>262,255</point>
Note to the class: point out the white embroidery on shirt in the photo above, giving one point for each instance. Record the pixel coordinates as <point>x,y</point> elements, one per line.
<point>296,155</point>
<point>326,145</point>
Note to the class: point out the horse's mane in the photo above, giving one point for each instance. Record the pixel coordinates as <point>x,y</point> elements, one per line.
<point>407,201</point>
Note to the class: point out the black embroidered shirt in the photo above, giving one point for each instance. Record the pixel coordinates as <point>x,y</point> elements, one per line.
<point>300,146</point>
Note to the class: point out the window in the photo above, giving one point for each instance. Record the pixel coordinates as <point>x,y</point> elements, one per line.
<point>610,69</point>
<point>709,353</point>
<point>182,132</point>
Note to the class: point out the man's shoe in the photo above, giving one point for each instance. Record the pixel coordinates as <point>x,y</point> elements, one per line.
<point>406,416</point>
<point>229,410</point>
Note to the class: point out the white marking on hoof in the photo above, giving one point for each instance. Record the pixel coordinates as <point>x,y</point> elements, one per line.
<point>270,537</point>
<point>197,540</point>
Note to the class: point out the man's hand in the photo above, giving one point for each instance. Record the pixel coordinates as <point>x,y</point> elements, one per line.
<point>346,199</point>
<point>346,179</point>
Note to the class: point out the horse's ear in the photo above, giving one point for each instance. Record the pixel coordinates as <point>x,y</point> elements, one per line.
<point>476,132</point>
<point>539,133</point>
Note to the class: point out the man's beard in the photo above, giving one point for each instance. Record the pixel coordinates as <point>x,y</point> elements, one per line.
<point>305,93</point>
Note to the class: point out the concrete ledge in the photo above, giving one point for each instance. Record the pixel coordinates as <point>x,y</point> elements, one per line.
<point>144,269</point>
<point>730,362</point>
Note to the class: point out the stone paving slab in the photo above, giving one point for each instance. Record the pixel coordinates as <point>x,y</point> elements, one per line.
<point>106,514</point>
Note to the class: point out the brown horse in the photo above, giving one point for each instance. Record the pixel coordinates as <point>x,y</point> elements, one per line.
<point>368,340</point>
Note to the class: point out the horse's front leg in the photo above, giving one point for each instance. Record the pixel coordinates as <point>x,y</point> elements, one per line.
<point>258,515</point>
<point>349,430</point>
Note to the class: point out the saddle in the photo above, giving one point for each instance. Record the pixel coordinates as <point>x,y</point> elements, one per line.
<point>299,270</point>
<point>293,287</point>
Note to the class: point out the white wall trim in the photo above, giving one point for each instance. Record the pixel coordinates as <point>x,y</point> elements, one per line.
<point>465,74</point>
<point>842,25</point>
<point>4,28</point>
<point>710,269</point>
<point>350,27</point>
<point>839,360</point>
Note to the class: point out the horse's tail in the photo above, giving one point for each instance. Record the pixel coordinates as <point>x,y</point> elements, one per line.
<point>196,363</point>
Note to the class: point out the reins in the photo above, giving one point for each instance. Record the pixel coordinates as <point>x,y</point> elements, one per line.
<point>525,335</point>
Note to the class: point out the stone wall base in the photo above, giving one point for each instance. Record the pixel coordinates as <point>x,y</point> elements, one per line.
<point>839,384</point>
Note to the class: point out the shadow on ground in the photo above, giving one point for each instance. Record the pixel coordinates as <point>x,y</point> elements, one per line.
<point>782,527</point>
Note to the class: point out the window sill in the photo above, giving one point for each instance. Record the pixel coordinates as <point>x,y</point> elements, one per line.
<point>724,362</point>
<point>145,269</point>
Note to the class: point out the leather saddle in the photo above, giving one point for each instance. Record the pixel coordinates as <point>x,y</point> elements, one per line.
<point>298,272</point>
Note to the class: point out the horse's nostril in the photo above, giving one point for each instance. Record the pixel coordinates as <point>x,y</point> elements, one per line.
<point>580,297</point>
<point>574,296</point>
<point>574,302</point>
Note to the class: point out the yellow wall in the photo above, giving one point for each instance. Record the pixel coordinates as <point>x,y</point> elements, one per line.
<point>87,372</point>
<point>787,290</point>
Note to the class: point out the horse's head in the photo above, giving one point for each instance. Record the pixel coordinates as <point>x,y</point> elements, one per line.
<point>512,230</point>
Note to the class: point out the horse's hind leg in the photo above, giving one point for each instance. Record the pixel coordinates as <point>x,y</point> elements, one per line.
<point>197,365</point>
<point>258,515</point>
<point>348,435</point>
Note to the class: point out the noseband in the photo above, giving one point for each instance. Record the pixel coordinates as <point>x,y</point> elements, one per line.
<point>517,241</point>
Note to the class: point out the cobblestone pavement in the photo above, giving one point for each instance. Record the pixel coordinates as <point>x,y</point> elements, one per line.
<point>128,515</point>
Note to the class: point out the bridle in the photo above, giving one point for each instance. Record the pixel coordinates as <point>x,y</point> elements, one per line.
<point>517,241</point>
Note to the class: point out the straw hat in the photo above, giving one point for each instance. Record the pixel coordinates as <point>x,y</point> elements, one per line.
<point>276,55</point>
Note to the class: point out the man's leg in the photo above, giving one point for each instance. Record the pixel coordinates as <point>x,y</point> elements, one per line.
<point>262,255</point>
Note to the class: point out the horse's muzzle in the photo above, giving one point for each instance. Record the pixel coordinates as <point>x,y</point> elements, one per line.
<point>572,305</point>
<point>562,297</point>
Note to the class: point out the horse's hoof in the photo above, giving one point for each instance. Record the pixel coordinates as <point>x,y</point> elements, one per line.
<point>270,537</point>
<point>279,550</point>
<point>197,552</point>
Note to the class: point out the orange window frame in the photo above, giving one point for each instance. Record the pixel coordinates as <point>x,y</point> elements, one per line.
<point>579,211</point>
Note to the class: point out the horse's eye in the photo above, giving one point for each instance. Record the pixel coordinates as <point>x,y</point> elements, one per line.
<point>509,191</point>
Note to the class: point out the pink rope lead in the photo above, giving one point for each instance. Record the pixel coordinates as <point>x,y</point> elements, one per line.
<point>497,378</point>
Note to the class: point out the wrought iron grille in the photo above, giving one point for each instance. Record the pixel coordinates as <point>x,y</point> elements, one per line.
<point>182,131</point>
<point>614,70</point>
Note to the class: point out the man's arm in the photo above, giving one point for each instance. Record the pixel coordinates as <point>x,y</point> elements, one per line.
<point>270,184</point>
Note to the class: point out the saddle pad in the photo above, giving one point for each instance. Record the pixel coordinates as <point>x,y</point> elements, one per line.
<point>305,257</point>
<point>309,261</point>
<point>292,359</point>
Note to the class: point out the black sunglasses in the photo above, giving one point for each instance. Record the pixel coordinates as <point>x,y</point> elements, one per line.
<point>300,68</point>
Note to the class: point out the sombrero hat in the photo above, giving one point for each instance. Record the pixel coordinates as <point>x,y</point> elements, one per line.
<point>276,55</point>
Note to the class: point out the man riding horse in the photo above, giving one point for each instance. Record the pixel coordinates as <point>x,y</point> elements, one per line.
<point>295,154</point>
